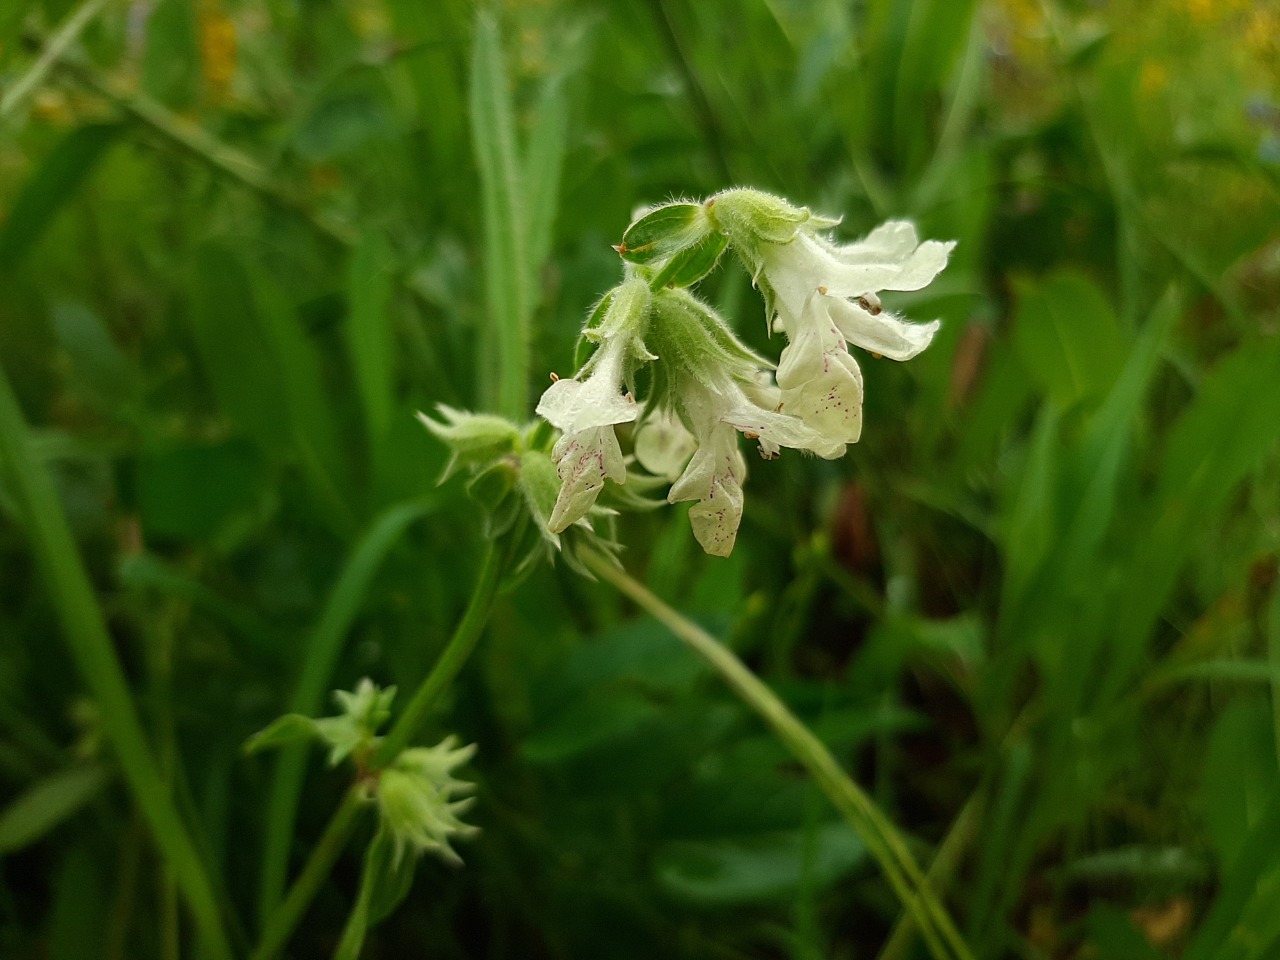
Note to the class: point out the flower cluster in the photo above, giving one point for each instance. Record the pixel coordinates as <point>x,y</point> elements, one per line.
<point>703,385</point>
<point>417,798</point>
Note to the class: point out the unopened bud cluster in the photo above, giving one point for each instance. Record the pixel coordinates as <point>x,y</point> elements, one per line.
<point>704,385</point>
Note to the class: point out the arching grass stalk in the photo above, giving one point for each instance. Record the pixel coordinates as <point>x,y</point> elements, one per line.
<point>881,837</point>
<point>284,919</point>
<point>95,656</point>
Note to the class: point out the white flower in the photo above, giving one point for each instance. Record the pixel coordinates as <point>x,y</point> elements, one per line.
<point>585,411</point>
<point>715,473</point>
<point>820,382</point>
<point>663,445</point>
<point>825,296</point>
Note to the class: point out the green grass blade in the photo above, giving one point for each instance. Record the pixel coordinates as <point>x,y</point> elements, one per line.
<point>95,656</point>
<point>1232,424</point>
<point>545,153</point>
<point>323,649</point>
<point>369,333</point>
<point>504,353</point>
<point>64,168</point>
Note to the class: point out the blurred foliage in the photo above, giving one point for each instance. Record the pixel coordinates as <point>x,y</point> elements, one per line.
<point>242,241</point>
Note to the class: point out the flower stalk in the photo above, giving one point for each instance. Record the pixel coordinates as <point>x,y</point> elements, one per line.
<point>881,837</point>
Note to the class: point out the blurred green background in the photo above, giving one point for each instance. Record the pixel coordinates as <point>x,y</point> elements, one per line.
<point>1035,611</point>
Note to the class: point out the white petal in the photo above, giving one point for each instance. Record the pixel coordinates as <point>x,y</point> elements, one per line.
<point>695,483</point>
<point>663,446</point>
<point>777,430</point>
<point>831,402</point>
<point>801,359</point>
<point>716,519</point>
<point>850,273</point>
<point>575,405</point>
<point>892,240</point>
<point>885,333</point>
<point>795,270</point>
<point>584,460</point>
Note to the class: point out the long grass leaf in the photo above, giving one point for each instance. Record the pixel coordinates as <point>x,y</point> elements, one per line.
<point>323,649</point>
<point>504,357</point>
<point>86,631</point>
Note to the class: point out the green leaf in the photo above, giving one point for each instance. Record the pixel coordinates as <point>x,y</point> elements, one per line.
<point>370,338</point>
<point>547,146</point>
<point>1232,425</point>
<point>265,372</point>
<point>55,182</point>
<point>1114,937</point>
<point>193,492</point>
<point>384,882</point>
<point>47,804</point>
<point>99,369</point>
<point>171,60</point>
<point>508,273</point>
<point>1067,336</point>
<point>283,731</point>
<point>754,868</point>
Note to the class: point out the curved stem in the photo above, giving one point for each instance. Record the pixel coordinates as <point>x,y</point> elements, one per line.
<point>95,656</point>
<point>451,660</point>
<point>881,837</point>
<point>284,919</point>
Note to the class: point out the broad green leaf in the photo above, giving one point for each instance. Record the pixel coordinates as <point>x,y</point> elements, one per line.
<point>588,724</point>
<point>1234,923</point>
<point>1067,336</point>
<point>1239,774</point>
<point>54,182</point>
<point>350,115</point>
<point>755,868</point>
<point>237,357</point>
<point>47,804</point>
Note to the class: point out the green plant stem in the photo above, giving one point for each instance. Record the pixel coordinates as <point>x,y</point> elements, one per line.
<point>284,919</point>
<point>324,646</point>
<point>879,834</point>
<point>66,35</point>
<point>451,660</point>
<point>86,632</point>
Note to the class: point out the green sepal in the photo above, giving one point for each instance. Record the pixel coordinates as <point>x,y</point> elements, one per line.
<point>691,264</point>
<point>283,732</point>
<point>384,883</point>
<point>664,231</point>
<point>490,489</point>
<point>364,711</point>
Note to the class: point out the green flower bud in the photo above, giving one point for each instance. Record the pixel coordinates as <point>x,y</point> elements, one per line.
<point>473,438</point>
<point>354,731</point>
<point>417,799</point>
